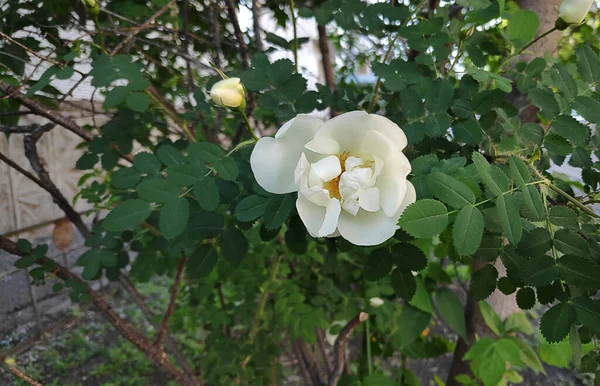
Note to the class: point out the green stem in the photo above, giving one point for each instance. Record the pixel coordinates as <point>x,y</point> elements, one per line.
<point>181,123</point>
<point>573,200</point>
<point>263,300</point>
<point>369,364</point>
<point>536,39</point>
<point>248,125</point>
<point>101,36</point>
<point>295,45</point>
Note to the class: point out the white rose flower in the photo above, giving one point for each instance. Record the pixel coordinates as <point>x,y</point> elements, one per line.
<point>574,11</point>
<point>350,174</point>
<point>229,93</point>
<point>376,302</point>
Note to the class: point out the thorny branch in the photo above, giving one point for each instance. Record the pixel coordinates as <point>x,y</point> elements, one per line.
<point>164,325</point>
<point>340,347</point>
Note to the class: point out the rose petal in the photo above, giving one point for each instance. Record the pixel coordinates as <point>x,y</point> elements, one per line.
<point>327,168</point>
<point>274,160</point>
<point>369,200</point>
<point>318,219</point>
<point>332,216</point>
<point>367,228</point>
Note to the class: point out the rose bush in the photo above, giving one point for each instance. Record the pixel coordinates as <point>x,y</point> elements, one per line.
<point>350,174</point>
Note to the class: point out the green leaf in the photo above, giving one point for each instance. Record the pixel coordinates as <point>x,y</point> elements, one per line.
<point>569,242</point>
<point>408,257</point>
<point>127,215</point>
<point>567,127</point>
<point>199,153</point>
<point>422,300</point>
<point>425,218</point>
<point>557,321</point>
<point>519,171</point>
<point>115,97</point>
<point>540,271</point>
<point>518,322</point>
<point>251,208</point>
<point>476,4</point>
<point>413,322</point>
<point>535,243</point>
<point>227,169</point>
<point>506,286</point>
<point>377,380</point>
<point>24,246</point>
<point>588,64</point>
<point>138,102</point>
<point>440,96</point>
<point>491,318</point>
<point>526,298</point>
<point>579,271</point>
<point>126,178</point>
<point>378,264</point>
<point>510,220</point>
<point>451,310</point>
<point>147,163</point>
<point>450,190</point>
<point>588,312</point>
<point>108,258</point>
<point>532,132</point>
<point>483,282</point>
<point>186,175</point>
<point>522,26</point>
<point>158,190</point>
<point>91,269</point>
<point>588,108</point>
<point>563,216</point>
<point>544,99</point>
<point>207,193</point>
<point>489,249</point>
<point>404,284</point>
<point>563,81</point>
<point>535,208</point>
<point>87,161</point>
<point>422,165</point>
<point>170,156</point>
<point>536,66</point>
<point>528,355</point>
<point>467,131</point>
<point>277,210</point>
<point>467,230</point>
<point>174,216</point>
<point>206,225</point>
<point>484,171</point>
<point>201,263</point>
<point>234,245</point>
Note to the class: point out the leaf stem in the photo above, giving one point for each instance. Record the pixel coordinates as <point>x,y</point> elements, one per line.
<point>248,125</point>
<point>263,299</point>
<point>573,200</point>
<point>368,332</point>
<point>295,45</point>
<point>100,35</point>
<point>536,39</point>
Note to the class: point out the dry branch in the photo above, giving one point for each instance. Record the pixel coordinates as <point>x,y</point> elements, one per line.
<point>340,347</point>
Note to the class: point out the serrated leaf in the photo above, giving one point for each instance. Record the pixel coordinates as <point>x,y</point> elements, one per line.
<point>540,271</point>
<point>563,81</point>
<point>519,171</point>
<point>413,322</point>
<point>528,355</point>
<point>170,156</point>
<point>408,257</point>
<point>588,108</point>
<point>556,322</point>
<point>535,243</point>
<point>174,216</point>
<point>125,178</point>
<point>525,298</point>
<point>451,310</point>
<point>201,263</point>
<point>532,132</point>
<point>579,271</point>
<point>422,165</point>
<point>277,210</point>
<point>234,245</point>
<point>199,153</point>
<point>186,174</point>
<point>127,215</point>
<point>484,171</point>
<point>467,131</point>
<point>510,220</point>
<point>425,218</point>
<point>569,242</point>
<point>489,249</point>
<point>147,163</point>
<point>158,190</point>
<point>588,64</point>
<point>491,318</point>
<point>568,128</point>
<point>251,208</point>
<point>404,284</point>
<point>467,230</point>
<point>544,99</point>
<point>91,269</point>
<point>588,312</point>
<point>484,281</point>
<point>450,190</point>
<point>535,209</point>
<point>138,101</point>
<point>207,193</point>
<point>440,96</point>
<point>206,225</point>
<point>563,216</point>
<point>227,169</point>
<point>378,264</point>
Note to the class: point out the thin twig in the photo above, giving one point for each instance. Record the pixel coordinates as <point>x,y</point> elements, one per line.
<point>321,343</point>
<point>340,347</point>
<point>139,28</point>
<point>32,52</point>
<point>239,35</point>
<point>23,376</point>
<point>164,325</point>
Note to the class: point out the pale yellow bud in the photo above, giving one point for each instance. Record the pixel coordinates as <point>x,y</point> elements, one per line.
<point>229,93</point>
<point>574,11</point>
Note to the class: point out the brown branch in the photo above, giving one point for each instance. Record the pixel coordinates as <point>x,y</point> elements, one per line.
<point>140,28</point>
<point>129,332</point>
<point>141,303</point>
<point>239,35</point>
<point>340,347</point>
<point>16,129</point>
<point>256,25</point>
<point>32,52</point>
<point>326,57</point>
<point>23,376</point>
<point>302,363</point>
<point>321,343</point>
<point>164,325</point>
<point>309,360</point>
<point>66,122</point>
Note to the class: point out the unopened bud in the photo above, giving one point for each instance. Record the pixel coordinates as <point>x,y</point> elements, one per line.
<point>229,93</point>
<point>573,11</point>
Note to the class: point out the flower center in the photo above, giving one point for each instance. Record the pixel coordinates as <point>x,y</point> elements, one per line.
<point>333,186</point>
